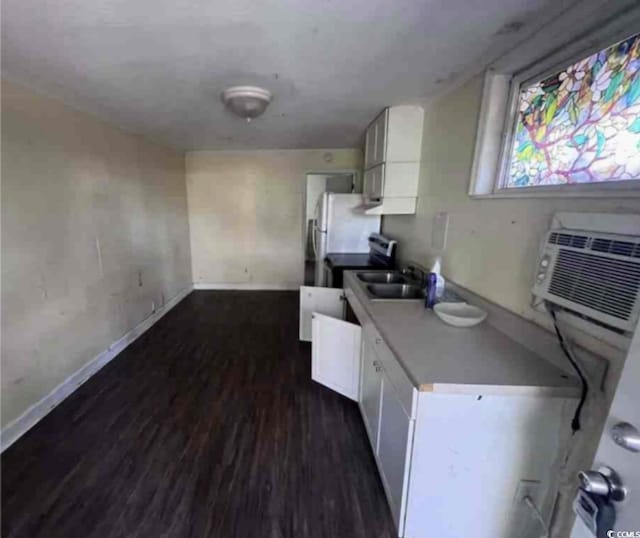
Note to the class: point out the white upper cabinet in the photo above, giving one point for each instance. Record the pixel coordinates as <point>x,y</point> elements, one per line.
<point>373,183</point>
<point>376,141</point>
<point>392,153</point>
<point>404,134</point>
<point>381,138</point>
<point>370,146</point>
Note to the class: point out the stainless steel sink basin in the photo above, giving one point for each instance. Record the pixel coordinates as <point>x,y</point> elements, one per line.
<point>382,277</point>
<point>394,292</point>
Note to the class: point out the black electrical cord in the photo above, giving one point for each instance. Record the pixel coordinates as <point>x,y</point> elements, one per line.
<point>575,423</point>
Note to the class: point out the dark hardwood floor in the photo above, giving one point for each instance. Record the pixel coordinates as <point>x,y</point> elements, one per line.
<point>208,425</point>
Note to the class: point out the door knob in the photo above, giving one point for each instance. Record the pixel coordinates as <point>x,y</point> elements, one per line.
<point>594,482</point>
<point>627,436</point>
<point>604,482</point>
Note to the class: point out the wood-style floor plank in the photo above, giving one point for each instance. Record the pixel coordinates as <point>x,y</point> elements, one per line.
<point>208,426</point>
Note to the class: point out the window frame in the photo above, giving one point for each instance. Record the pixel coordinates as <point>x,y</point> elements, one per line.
<point>494,102</point>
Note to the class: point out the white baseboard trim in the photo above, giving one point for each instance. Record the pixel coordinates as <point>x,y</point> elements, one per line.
<point>246,286</point>
<point>19,426</point>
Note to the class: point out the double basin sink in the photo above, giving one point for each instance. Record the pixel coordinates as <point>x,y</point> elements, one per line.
<point>390,286</point>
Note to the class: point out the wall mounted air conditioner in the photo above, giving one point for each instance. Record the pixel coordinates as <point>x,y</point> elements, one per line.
<point>586,269</point>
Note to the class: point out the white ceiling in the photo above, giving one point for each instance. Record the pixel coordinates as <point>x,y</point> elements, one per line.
<point>157,67</point>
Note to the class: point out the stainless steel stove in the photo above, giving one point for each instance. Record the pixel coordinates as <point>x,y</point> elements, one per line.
<point>381,255</point>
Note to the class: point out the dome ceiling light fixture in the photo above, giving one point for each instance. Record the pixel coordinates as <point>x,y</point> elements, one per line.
<point>246,101</point>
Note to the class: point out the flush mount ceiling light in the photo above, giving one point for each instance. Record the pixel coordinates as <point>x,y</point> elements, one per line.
<point>246,101</point>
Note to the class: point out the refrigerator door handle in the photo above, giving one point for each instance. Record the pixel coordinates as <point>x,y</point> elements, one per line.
<point>320,213</point>
<point>313,239</point>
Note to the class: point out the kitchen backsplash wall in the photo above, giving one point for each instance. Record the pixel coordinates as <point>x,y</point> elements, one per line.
<point>246,214</point>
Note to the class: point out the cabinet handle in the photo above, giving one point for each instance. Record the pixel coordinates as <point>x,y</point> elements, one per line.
<point>378,341</point>
<point>375,363</point>
<point>378,368</point>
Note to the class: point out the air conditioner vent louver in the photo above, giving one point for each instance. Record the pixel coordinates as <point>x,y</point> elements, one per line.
<point>619,248</point>
<point>568,240</point>
<point>607,285</point>
<point>629,249</point>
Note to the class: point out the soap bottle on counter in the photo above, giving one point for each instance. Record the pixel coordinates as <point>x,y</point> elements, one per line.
<point>430,291</point>
<point>435,285</point>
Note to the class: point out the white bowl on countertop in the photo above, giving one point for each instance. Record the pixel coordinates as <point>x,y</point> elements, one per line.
<point>460,314</point>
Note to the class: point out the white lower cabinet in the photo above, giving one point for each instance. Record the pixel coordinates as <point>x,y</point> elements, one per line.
<point>450,463</point>
<point>364,370</point>
<point>394,451</point>
<point>328,301</point>
<point>335,343</point>
<point>370,392</point>
<point>389,427</point>
<point>335,354</point>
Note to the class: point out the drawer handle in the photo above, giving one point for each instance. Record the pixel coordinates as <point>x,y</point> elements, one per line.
<point>375,363</point>
<point>378,368</point>
<point>378,341</point>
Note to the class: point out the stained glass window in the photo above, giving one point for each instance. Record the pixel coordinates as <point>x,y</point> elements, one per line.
<point>581,125</point>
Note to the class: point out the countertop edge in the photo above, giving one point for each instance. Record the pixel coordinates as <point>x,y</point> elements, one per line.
<point>500,390</point>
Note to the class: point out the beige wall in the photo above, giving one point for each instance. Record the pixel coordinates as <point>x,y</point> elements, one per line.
<point>492,245</point>
<point>246,213</point>
<point>94,232</point>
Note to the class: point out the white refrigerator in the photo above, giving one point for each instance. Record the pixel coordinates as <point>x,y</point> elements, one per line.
<point>340,226</point>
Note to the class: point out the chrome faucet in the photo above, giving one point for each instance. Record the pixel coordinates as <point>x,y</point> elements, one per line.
<point>415,272</point>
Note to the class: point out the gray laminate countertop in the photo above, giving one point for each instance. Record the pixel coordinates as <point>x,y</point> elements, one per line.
<point>477,360</point>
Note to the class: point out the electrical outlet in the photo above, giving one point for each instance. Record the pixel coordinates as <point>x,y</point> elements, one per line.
<point>525,524</point>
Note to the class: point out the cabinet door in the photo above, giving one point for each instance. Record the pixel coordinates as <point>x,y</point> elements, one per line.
<point>376,182</point>
<point>370,392</point>
<point>368,183</point>
<point>371,184</point>
<point>329,301</point>
<point>394,443</point>
<point>381,138</point>
<point>404,134</point>
<point>370,146</point>
<point>335,354</point>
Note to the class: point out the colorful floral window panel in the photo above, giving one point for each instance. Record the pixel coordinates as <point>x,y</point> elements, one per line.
<point>581,125</point>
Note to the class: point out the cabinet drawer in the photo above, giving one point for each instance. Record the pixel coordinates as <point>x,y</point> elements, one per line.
<point>404,388</point>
